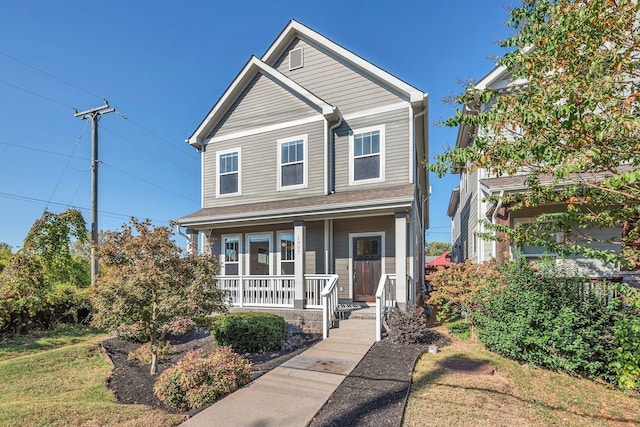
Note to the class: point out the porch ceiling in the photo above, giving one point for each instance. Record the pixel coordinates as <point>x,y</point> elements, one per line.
<point>345,202</point>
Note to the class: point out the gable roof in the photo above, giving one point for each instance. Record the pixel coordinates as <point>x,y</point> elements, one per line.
<point>294,30</point>
<point>249,71</point>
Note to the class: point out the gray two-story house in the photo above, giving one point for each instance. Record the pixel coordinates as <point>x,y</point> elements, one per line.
<point>313,189</point>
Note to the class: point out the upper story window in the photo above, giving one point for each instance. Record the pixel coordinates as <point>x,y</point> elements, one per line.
<point>292,165</point>
<point>366,152</point>
<point>228,172</point>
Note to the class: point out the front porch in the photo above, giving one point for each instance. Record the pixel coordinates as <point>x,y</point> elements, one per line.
<point>319,297</point>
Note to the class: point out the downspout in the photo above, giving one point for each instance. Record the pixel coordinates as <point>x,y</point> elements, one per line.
<point>493,221</point>
<point>331,150</point>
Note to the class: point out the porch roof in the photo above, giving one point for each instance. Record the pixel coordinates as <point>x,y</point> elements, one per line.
<point>517,183</point>
<point>364,201</point>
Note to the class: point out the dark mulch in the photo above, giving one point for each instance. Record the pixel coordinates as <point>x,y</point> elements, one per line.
<point>131,381</point>
<point>375,392</point>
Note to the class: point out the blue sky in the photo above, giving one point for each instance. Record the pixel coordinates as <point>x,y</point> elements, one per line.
<point>163,64</point>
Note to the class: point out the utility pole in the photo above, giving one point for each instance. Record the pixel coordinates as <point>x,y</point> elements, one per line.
<point>94,115</point>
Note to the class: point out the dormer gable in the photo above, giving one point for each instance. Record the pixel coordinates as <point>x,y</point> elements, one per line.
<point>252,72</point>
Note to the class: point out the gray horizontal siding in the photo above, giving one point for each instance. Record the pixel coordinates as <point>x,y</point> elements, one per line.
<point>341,243</point>
<point>397,165</point>
<point>330,78</point>
<point>263,102</point>
<point>259,166</point>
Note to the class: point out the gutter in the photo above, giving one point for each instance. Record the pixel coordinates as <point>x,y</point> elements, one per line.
<point>493,221</point>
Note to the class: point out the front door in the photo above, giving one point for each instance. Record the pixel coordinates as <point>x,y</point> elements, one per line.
<point>367,267</point>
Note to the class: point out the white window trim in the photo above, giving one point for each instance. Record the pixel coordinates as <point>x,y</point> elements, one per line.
<point>279,250</point>
<point>381,178</point>
<point>248,237</point>
<point>383,261</point>
<point>305,163</point>
<point>223,240</point>
<point>220,153</point>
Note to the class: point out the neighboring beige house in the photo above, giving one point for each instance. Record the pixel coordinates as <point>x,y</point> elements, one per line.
<point>470,211</point>
<point>313,192</point>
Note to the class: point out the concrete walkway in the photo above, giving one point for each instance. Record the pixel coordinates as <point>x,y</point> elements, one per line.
<point>291,394</point>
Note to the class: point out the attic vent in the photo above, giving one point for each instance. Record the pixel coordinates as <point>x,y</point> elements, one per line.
<point>296,58</point>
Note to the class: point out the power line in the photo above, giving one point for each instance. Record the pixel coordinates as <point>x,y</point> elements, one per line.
<point>105,213</point>
<point>67,163</point>
<point>147,151</point>
<point>149,182</point>
<point>36,94</point>
<point>162,139</point>
<point>106,164</point>
<point>50,75</point>
<point>24,147</point>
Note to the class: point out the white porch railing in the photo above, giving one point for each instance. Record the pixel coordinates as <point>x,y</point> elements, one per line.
<point>329,304</point>
<point>385,300</point>
<point>273,291</point>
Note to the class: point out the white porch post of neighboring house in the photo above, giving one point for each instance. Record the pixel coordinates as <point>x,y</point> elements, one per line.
<point>299,237</point>
<point>192,242</point>
<point>401,258</point>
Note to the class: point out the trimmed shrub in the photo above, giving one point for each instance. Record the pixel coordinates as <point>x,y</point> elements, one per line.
<point>249,331</point>
<point>199,379</point>
<point>550,320</point>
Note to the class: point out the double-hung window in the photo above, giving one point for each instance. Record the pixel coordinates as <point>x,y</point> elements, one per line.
<point>292,164</point>
<point>366,152</point>
<point>228,172</point>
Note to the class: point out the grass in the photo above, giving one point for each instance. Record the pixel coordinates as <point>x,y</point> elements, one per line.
<point>41,340</point>
<point>515,395</point>
<point>61,380</point>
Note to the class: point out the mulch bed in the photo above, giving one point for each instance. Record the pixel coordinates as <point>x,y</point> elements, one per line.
<point>131,381</point>
<point>375,392</point>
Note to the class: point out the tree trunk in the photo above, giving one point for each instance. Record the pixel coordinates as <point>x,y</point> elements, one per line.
<point>154,357</point>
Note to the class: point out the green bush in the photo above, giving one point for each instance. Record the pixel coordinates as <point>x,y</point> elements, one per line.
<point>198,379</point>
<point>249,332</point>
<point>626,355</point>
<point>550,320</point>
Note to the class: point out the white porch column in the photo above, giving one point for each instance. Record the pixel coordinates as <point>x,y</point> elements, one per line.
<point>192,242</point>
<point>300,237</point>
<point>401,258</point>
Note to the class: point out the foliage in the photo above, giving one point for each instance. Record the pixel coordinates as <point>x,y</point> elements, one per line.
<point>199,379</point>
<point>626,355</point>
<point>457,289</point>
<point>5,255</point>
<point>574,111</point>
<point>147,288</point>
<point>43,283</point>
<point>409,326</point>
<point>436,248</point>
<point>549,319</point>
<point>249,331</point>
<point>460,328</point>
<point>143,353</point>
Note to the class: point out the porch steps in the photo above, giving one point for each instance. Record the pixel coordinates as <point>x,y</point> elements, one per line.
<point>356,311</point>
<point>291,394</point>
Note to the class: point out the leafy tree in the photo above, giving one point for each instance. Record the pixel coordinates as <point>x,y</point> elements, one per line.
<point>436,248</point>
<point>576,113</point>
<point>147,289</point>
<point>5,255</point>
<point>43,283</point>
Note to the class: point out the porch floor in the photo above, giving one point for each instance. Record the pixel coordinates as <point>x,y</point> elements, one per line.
<point>291,394</point>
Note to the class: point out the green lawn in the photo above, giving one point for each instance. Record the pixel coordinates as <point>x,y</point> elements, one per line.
<point>60,380</point>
